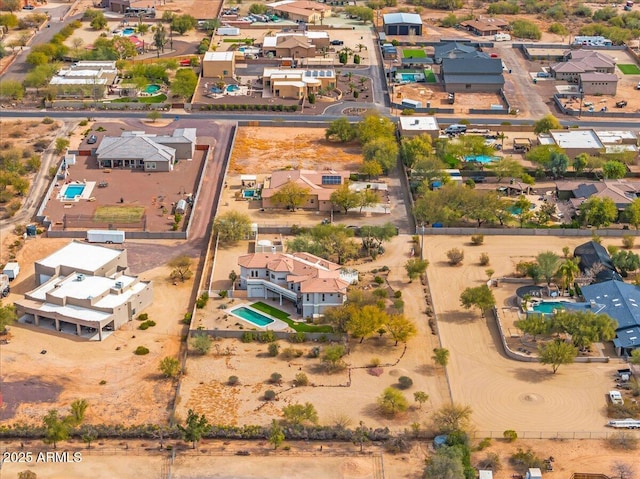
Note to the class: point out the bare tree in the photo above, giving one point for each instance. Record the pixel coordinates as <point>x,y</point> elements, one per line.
<point>622,469</point>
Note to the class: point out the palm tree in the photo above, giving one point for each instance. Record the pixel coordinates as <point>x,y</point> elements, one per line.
<point>360,46</point>
<point>567,272</point>
<point>501,136</point>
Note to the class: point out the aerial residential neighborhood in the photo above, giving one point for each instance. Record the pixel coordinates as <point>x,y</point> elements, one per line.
<point>326,239</point>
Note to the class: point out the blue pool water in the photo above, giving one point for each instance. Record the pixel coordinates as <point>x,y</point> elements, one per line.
<point>547,307</point>
<point>215,89</point>
<point>233,88</point>
<point>152,88</point>
<point>484,159</point>
<point>253,317</point>
<point>127,32</point>
<point>514,210</point>
<point>248,193</point>
<point>71,191</point>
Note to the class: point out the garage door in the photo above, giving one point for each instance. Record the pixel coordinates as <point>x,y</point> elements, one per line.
<point>403,30</point>
<point>255,291</point>
<point>392,30</point>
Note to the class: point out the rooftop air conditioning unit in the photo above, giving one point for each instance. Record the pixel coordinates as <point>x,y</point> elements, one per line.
<point>119,285</point>
<point>80,277</point>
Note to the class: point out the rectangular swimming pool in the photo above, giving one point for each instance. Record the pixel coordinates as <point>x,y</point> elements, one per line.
<point>252,316</point>
<point>71,191</point>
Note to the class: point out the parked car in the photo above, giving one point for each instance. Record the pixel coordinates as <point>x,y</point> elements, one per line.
<point>543,75</point>
<point>92,139</point>
<point>455,129</point>
<point>28,7</point>
<point>621,104</point>
<point>337,42</point>
<point>638,86</point>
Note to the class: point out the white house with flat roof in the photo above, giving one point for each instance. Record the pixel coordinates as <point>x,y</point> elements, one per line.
<point>418,125</point>
<point>574,141</point>
<point>311,283</point>
<point>84,290</point>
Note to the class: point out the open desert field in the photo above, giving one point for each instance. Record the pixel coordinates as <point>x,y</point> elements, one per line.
<point>505,394</point>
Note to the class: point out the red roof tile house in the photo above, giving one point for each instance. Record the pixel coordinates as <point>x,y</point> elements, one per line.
<point>311,283</point>
<point>319,183</point>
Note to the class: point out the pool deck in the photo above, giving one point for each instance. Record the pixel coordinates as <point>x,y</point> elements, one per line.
<point>277,324</point>
<point>86,193</point>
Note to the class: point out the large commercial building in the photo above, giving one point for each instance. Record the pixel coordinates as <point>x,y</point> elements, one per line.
<point>84,290</point>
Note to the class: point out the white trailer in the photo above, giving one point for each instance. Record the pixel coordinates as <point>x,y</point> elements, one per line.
<point>629,423</point>
<point>12,270</point>
<point>228,31</point>
<point>105,236</point>
<point>501,37</point>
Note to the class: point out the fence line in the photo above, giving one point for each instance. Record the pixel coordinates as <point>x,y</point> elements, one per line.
<point>561,436</point>
<point>459,231</point>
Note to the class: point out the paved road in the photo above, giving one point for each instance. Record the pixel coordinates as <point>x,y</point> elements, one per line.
<point>19,68</point>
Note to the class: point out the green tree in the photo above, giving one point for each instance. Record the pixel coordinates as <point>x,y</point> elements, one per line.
<point>367,198</point>
<point>232,226</point>
<point>506,167</point>
<point>258,8</point>
<point>558,29</point>
<point>557,353</point>
<point>345,198</point>
<point>332,357</point>
<point>99,21</point>
<point>598,212</point>
<point>416,148</point>
<point>8,316</point>
<point>11,89</point>
<point>420,397</point>
<point>625,261</point>
<point>383,151</point>
<point>170,367</point>
<point>195,427</point>
<point>522,210</point>
<point>567,272</point>
<point>400,328</point>
<point>56,429</point>
<point>481,297</point>
<point>180,268</point>
<point>88,435</point>
<point>632,213</point>
<point>614,170</point>
<point>121,47</point>
<point>276,434</point>
<point>201,343</point>
<point>415,267</point>
<point>373,127</point>
<point>154,115</point>
<point>429,168</point>
<point>446,463</point>
<point>78,410</point>
<point>546,123</point>
<point>534,324</point>
<point>441,356</point>
<point>548,263</point>
<point>11,5</point>
<point>183,23</point>
<point>291,195</point>
<point>365,321</point>
<point>371,169</point>
<point>184,83</point>
<point>635,356</point>
<point>300,413</point>
<point>525,29</point>
<point>392,402</point>
<point>580,163</point>
<point>61,145</point>
<point>558,164</point>
<point>451,418</point>
<point>159,38</point>
<point>340,130</point>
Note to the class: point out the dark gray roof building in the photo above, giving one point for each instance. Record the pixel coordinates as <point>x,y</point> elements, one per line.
<point>479,73</point>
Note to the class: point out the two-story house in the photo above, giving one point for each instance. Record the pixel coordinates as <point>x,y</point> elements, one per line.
<point>311,283</point>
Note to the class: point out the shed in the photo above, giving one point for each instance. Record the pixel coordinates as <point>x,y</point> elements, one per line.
<point>483,474</point>
<point>181,207</point>
<point>534,473</point>
<point>12,270</point>
<point>247,179</point>
<point>402,24</point>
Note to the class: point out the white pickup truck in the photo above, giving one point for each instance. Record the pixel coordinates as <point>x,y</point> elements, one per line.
<point>616,397</point>
<point>625,423</point>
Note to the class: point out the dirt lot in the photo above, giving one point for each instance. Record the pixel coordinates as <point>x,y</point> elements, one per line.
<point>72,369</point>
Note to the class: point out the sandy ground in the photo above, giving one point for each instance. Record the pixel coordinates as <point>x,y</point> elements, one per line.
<point>133,392</point>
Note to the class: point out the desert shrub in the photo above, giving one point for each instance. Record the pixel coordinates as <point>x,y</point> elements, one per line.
<point>623,411</point>
<point>301,379</point>
<point>380,293</point>
<point>202,301</point>
<point>298,337</point>
<point>510,435</point>
<point>247,337</point>
<point>291,353</point>
<point>274,349</point>
<point>187,318</point>
<point>378,280</point>
<point>143,317</point>
<point>628,241</point>
<point>269,395</point>
<point>491,461</point>
<point>623,440</point>
<point>397,294</point>
<point>275,378</point>
<point>267,337</point>
<point>455,256</point>
<point>477,240</point>
<point>233,380</point>
<point>102,382</point>
<point>484,259</point>
<point>405,382</point>
<point>375,362</point>
<point>485,443</point>
<point>223,293</point>
<point>141,351</point>
<point>146,324</point>
<point>47,120</point>
<point>526,459</point>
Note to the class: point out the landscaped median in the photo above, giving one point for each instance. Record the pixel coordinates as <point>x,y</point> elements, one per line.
<point>298,327</point>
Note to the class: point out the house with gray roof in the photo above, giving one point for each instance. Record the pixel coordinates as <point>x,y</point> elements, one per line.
<point>621,302</point>
<point>402,24</point>
<point>477,73</point>
<point>598,83</point>
<point>452,50</point>
<point>139,150</point>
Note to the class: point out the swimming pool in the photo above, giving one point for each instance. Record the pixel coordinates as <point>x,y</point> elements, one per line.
<point>151,89</point>
<point>249,194</point>
<point>252,316</point>
<point>233,88</point>
<point>411,77</point>
<point>484,159</point>
<point>71,191</point>
<point>547,307</point>
<point>127,32</point>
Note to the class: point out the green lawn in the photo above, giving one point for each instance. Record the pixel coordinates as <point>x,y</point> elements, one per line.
<point>118,213</point>
<point>142,99</point>
<point>429,76</point>
<point>281,315</point>
<point>629,69</point>
<point>414,53</point>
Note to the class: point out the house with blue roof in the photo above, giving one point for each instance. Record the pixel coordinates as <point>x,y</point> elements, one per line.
<point>620,301</point>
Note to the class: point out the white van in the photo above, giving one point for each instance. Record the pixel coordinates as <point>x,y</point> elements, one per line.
<point>616,397</point>
<point>455,129</point>
<point>502,37</point>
